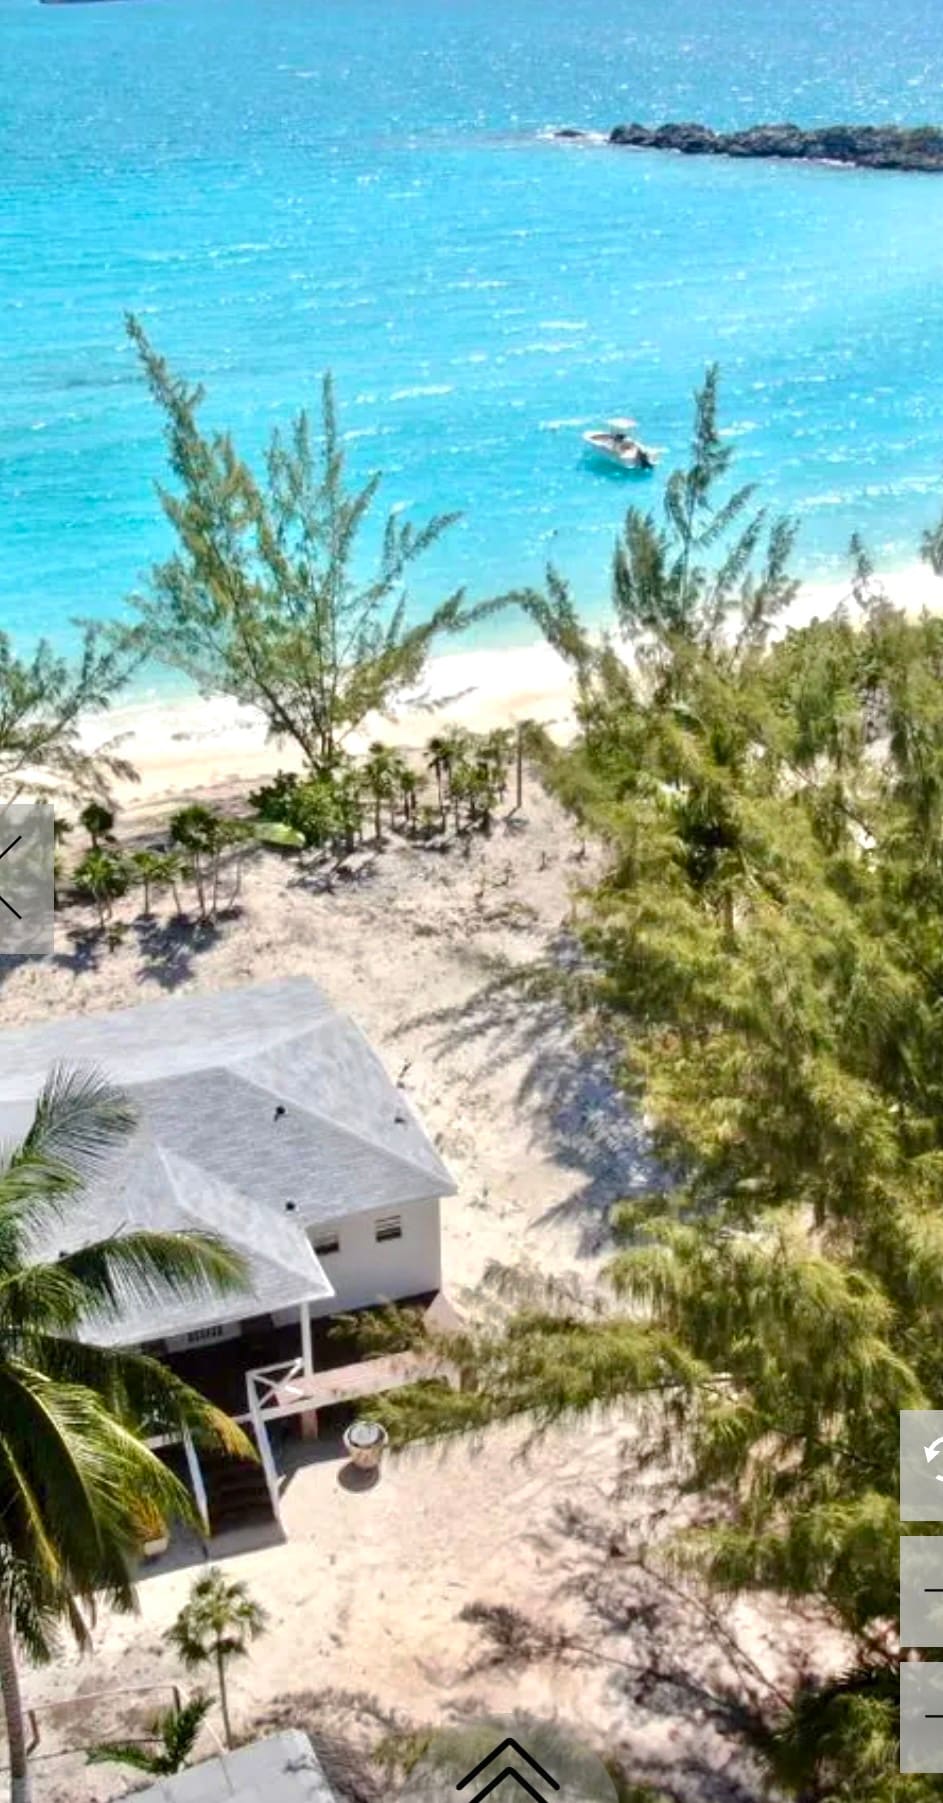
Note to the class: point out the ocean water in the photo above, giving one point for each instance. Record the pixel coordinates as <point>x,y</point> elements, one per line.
<point>283,186</point>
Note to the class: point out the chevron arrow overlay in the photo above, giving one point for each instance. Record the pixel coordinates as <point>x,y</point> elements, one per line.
<point>508,1771</point>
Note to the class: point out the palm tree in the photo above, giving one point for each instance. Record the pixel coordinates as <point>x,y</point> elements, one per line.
<point>380,774</point>
<point>155,870</point>
<point>437,752</point>
<point>102,875</point>
<point>400,779</point>
<point>194,830</point>
<point>176,1731</point>
<point>98,822</point>
<point>75,1471</point>
<point>217,1623</point>
<point>409,792</point>
<point>497,752</point>
<point>205,836</point>
<point>445,750</point>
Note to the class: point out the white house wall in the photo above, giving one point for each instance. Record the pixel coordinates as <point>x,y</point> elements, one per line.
<point>365,1270</point>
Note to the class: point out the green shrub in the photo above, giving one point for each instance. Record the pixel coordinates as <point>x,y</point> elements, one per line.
<point>326,809</point>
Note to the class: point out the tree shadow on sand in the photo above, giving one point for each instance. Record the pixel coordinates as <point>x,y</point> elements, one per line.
<point>672,1663</point>
<point>594,1128</point>
<point>167,950</point>
<point>344,1727</point>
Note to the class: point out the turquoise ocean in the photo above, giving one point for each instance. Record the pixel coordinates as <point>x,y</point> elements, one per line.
<point>283,186</point>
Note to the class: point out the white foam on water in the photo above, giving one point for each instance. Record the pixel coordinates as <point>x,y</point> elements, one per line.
<point>421,390</point>
<point>541,347</point>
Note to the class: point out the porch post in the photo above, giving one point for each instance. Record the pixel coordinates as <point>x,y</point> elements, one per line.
<point>306,1357</point>
<point>265,1452</point>
<point>196,1480</point>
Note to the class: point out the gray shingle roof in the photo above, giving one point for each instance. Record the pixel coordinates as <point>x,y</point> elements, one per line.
<point>249,1100</point>
<point>283,1769</point>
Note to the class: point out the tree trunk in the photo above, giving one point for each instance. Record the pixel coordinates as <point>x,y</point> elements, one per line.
<point>21,1788</point>
<point>197,872</point>
<point>520,769</point>
<point>223,1697</point>
<point>377,819</point>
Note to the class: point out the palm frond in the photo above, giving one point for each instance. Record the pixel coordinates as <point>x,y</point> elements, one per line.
<point>142,1267</point>
<point>79,1120</point>
<point>124,1752</point>
<point>39,1298</point>
<point>141,1391</point>
<point>79,1479</point>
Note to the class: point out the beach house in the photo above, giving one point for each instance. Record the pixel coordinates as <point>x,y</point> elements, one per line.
<point>264,1117</point>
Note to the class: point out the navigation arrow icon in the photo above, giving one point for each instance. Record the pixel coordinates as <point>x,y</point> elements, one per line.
<point>930,1453</point>
<point>507,1771</point>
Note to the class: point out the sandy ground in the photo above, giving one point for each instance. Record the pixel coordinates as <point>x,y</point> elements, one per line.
<point>366,1595</point>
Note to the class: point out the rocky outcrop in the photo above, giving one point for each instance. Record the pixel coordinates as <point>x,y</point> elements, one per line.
<point>864,146</point>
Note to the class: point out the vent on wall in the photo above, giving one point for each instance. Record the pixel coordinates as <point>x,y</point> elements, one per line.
<point>330,1243</point>
<point>388,1227</point>
<point>200,1335</point>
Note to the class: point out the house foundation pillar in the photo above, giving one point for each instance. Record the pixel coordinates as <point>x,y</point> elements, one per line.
<point>306,1353</point>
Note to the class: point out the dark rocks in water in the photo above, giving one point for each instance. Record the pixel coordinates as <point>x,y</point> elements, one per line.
<point>863,146</point>
<point>570,131</point>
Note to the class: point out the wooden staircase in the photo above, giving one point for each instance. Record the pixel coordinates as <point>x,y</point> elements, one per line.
<point>236,1493</point>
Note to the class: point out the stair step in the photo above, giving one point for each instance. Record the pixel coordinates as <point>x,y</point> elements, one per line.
<point>236,1492</point>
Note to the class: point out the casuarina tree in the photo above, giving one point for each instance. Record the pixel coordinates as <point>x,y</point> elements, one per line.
<point>269,595</point>
<point>764,950</point>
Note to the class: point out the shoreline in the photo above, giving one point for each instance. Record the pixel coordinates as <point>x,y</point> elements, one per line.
<point>189,742</point>
<point>196,742</point>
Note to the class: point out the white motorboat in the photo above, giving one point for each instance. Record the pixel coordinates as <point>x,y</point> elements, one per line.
<point>616,445</point>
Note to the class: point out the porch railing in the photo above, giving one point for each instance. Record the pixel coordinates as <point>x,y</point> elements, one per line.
<point>288,1389</point>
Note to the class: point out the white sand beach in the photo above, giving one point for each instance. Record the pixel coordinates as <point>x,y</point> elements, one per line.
<point>190,741</point>
<point>198,741</point>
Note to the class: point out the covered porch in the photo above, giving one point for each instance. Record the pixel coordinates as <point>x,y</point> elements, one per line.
<point>288,1374</point>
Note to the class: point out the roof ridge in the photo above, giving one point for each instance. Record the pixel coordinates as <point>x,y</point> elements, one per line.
<point>317,1114</point>
<point>261,1248</point>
